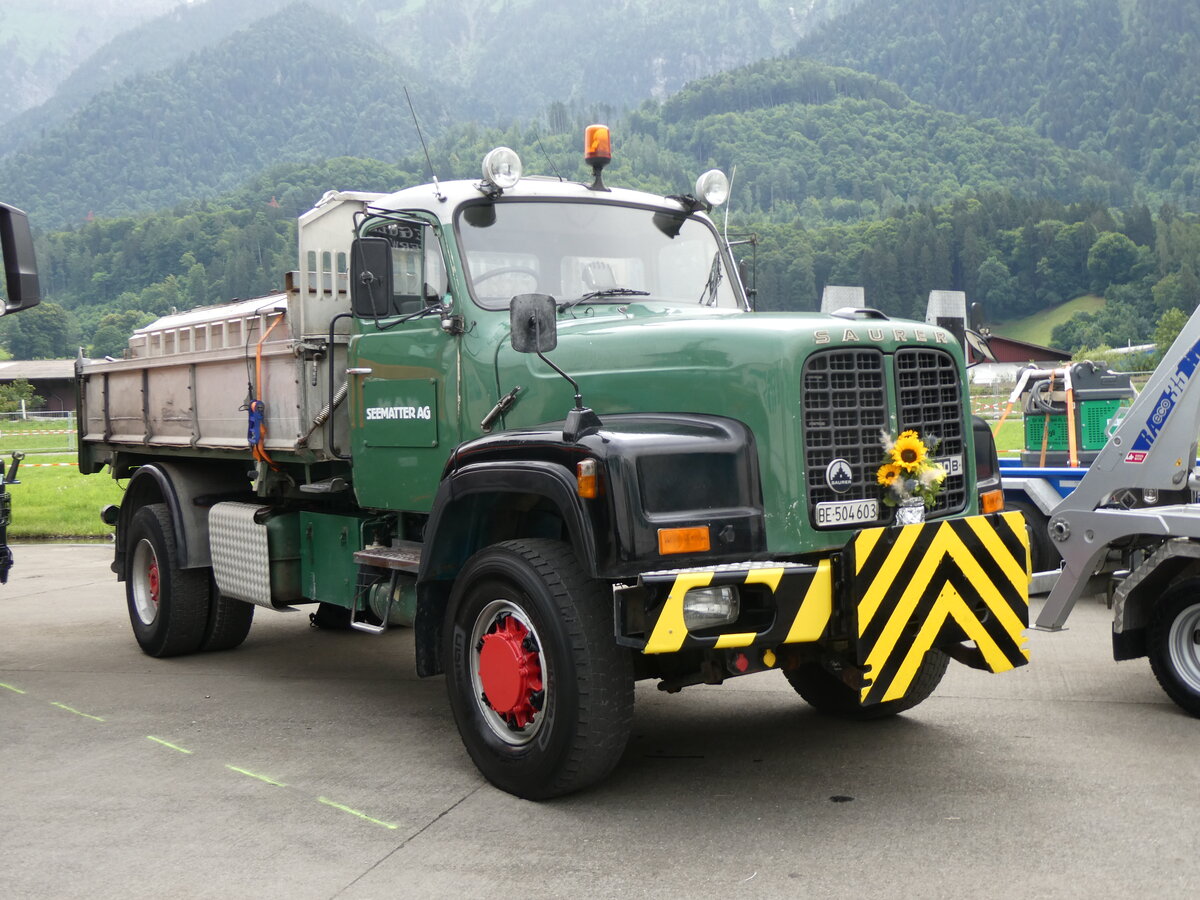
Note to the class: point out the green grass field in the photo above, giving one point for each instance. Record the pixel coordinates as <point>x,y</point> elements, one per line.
<point>53,501</point>
<point>1036,329</point>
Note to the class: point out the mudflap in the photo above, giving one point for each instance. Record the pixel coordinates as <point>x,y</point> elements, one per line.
<point>960,586</point>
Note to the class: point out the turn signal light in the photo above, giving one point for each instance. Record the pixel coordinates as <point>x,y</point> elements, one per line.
<point>684,540</point>
<point>992,501</point>
<point>586,483</point>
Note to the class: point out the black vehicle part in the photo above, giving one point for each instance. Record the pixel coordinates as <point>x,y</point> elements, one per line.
<point>1043,555</point>
<point>168,606</point>
<point>827,693</point>
<point>1174,644</point>
<point>541,693</point>
<point>229,621</point>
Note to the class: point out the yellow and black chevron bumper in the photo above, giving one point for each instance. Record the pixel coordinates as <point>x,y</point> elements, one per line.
<point>891,595</point>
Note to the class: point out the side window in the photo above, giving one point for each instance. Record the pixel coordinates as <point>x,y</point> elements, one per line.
<point>418,271</point>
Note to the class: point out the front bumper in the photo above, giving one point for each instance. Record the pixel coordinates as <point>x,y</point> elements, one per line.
<point>890,595</point>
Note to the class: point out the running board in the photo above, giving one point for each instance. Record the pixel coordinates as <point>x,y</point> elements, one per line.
<point>403,558</point>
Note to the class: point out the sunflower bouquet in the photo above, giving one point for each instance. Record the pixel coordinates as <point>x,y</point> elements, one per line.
<point>908,472</point>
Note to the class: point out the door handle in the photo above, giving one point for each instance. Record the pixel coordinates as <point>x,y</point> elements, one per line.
<point>359,371</point>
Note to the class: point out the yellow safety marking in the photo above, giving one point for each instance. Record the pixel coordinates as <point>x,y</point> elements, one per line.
<point>355,812</point>
<point>256,775</point>
<point>992,543</point>
<point>726,641</point>
<point>769,577</point>
<point>960,611</point>
<point>864,544</point>
<point>887,573</point>
<point>77,712</point>
<point>816,608</point>
<point>1000,609</point>
<point>156,740</point>
<point>669,631</point>
<point>9,687</point>
<point>769,659</point>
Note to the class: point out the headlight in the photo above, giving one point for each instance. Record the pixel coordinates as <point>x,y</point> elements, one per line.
<point>502,168</point>
<point>708,607</point>
<point>713,187</point>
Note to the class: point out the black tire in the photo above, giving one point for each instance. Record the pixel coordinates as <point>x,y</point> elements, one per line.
<point>828,694</point>
<point>1173,644</point>
<point>229,621</point>
<point>168,606</point>
<point>1043,554</point>
<point>526,622</point>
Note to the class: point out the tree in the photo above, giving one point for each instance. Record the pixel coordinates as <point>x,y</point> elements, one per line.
<point>47,331</point>
<point>15,392</point>
<point>113,330</point>
<point>1111,260</point>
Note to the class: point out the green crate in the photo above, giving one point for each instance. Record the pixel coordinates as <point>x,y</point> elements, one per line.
<point>1094,416</point>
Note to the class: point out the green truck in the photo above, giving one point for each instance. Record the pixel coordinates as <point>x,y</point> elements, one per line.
<point>539,423</point>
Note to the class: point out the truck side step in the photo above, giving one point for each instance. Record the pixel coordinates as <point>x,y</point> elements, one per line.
<point>405,558</point>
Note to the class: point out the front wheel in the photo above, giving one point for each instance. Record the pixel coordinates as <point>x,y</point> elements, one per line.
<point>828,694</point>
<point>540,691</point>
<point>1174,644</point>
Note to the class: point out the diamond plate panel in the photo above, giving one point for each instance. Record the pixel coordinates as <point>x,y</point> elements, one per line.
<point>240,557</point>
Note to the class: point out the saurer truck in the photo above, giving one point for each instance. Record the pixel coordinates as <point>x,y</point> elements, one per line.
<point>539,424</point>
<point>22,291</point>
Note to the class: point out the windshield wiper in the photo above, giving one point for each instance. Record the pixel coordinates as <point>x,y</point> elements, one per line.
<point>606,292</point>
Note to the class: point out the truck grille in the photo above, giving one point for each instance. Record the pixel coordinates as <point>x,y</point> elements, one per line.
<point>845,407</point>
<point>844,404</point>
<point>930,402</point>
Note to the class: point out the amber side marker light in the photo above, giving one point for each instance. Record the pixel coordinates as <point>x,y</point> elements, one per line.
<point>683,540</point>
<point>992,501</point>
<point>586,484</point>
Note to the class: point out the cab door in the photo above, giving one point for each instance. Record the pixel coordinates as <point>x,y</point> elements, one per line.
<point>402,375</point>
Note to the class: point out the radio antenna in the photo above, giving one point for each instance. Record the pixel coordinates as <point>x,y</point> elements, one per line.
<point>553,168</point>
<point>437,188</point>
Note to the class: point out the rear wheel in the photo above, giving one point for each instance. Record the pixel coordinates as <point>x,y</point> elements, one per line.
<point>540,691</point>
<point>168,606</point>
<point>229,621</point>
<point>828,694</point>
<point>1174,644</point>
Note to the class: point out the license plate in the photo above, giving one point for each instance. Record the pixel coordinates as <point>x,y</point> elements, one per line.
<point>952,464</point>
<point>847,512</point>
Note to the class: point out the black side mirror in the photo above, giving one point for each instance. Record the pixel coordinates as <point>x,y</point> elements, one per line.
<point>20,265</point>
<point>534,323</point>
<point>371,285</point>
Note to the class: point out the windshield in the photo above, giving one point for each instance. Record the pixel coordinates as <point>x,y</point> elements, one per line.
<point>591,253</point>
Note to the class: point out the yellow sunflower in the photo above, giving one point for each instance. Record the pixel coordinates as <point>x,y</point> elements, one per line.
<point>887,473</point>
<point>909,452</point>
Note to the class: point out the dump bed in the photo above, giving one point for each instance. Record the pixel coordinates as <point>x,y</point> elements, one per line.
<point>186,381</point>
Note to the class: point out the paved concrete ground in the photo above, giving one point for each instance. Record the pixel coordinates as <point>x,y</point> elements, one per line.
<point>310,764</point>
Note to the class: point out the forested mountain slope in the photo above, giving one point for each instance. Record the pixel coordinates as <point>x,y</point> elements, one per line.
<point>149,47</point>
<point>218,118</point>
<point>505,58</point>
<point>1116,77</point>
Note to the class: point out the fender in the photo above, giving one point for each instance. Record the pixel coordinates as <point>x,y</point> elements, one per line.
<point>179,486</point>
<point>452,535</point>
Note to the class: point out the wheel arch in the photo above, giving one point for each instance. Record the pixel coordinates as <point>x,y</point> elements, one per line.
<point>474,508</point>
<point>1135,598</point>
<point>178,486</point>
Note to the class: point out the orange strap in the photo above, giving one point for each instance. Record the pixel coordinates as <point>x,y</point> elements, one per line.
<point>259,451</point>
